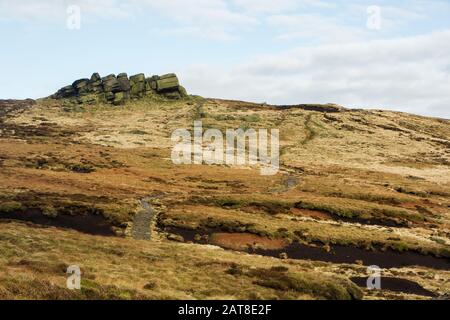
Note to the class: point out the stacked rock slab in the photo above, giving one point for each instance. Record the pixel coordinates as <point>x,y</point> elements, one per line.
<point>138,87</point>
<point>95,84</point>
<point>117,90</point>
<point>167,85</point>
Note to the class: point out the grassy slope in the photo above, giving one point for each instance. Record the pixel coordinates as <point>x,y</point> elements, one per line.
<point>365,165</point>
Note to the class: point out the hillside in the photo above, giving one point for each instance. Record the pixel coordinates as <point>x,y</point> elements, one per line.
<point>91,183</point>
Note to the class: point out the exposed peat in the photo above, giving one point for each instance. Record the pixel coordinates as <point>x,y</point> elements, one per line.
<point>337,253</point>
<point>397,285</point>
<point>89,223</point>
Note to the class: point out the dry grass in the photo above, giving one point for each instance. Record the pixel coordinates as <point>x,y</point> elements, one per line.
<point>358,178</point>
<point>114,268</point>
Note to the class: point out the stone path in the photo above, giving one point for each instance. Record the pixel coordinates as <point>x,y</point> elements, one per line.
<point>142,222</point>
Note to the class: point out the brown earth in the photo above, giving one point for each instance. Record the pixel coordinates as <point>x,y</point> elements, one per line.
<point>242,241</point>
<point>355,187</point>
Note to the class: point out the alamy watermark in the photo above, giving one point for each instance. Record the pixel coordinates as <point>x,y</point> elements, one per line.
<point>74,278</point>
<point>73,21</point>
<point>234,147</point>
<point>374,19</point>
<point>374,280</point>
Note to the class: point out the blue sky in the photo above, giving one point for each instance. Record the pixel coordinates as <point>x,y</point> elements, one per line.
<point>283,52</point>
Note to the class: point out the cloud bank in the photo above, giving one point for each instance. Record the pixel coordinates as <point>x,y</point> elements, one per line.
<point>407,74</point>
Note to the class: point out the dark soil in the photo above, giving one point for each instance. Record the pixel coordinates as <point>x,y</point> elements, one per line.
<point>314,107</point>
<point>91,224</point>
<point>338,254</point>
<point>397,285</point>
<point>347,254</point>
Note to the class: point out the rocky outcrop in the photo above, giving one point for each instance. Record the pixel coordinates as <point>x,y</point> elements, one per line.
<point>326,108</point>
<point>119,89</point>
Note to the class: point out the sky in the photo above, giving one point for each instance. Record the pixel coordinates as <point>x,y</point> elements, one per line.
<point>381,54</point>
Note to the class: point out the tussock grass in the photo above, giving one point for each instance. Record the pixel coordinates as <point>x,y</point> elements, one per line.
<point>352,167</point>
<point>147,270</point>
<point>324,287</point>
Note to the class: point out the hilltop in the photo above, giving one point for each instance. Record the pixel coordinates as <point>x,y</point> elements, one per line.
<point>120,89</point>
<point>87,179</point>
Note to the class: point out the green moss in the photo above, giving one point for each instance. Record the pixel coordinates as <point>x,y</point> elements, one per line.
<point>119,98</point>
<point>88,99</point>
<point>49,211</point>
<point>252,118</point>
<point>224,117</point>
<point>341,212</point>
<point>401,214</point>
<point>270,206</point>
<point>10,207</point>
<point>400,246</point>
<point>443,252</point>
<point>369,197</point>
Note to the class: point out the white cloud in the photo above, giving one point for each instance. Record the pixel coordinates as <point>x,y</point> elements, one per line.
<point>266,6</point>
<point>209,33</point>
<point>320,20</point>
<point>199,12</point>
<point>206,19</point>
<point>56,10</point>
<point>317,28</point>
<point>410,74</point>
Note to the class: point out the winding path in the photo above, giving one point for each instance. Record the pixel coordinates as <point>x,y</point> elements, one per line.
<point>142,222</point>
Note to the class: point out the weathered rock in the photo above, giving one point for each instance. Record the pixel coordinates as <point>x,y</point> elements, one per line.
<point>167,76</point>
<point>152,82</point>
<point>183,92</point>
<point>118,90</point>
<point>96,88</point>
<point>137,78</point>
<point>109,96</point>
<point>66,92</point>
<point>95,84</point>
<point>124,83</point>
<point>148,85</point>
<point>87,99</point>
<point>81,86</point>
<point>96,77</point>
<point>80,83</point>
<point>167,82</point>
<point>110,84</point>
<point>138,86</point>
<point>119,98</point>
<point>174,95</point>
